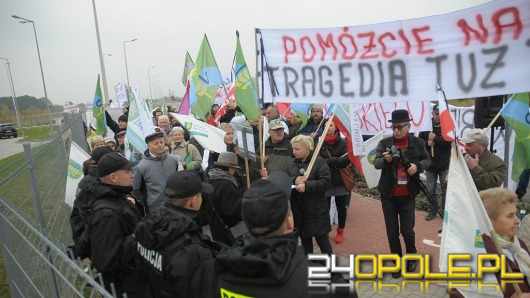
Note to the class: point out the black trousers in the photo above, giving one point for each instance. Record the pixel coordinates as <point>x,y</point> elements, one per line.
<point>399,215</point>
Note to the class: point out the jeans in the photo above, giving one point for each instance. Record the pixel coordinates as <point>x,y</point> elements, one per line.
<point>399,214</point>
<point>522,185</point>
<point>432,178</point>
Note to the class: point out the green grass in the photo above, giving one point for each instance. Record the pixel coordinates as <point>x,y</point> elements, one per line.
<point>35,133</point>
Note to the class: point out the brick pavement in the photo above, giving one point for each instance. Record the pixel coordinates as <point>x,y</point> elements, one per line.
<point>365,233</point>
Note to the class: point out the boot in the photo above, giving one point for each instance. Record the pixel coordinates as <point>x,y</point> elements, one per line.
<point>340,236</point>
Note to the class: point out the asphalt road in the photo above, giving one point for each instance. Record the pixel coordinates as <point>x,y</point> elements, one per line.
<point>10,146</point>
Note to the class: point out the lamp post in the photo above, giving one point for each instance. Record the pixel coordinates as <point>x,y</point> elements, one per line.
<point>126,68</point>
<point>13,92</point>
<point>149,77</point>
<point>40,63</point>
<point>154,88</point>
<point>101,62</point>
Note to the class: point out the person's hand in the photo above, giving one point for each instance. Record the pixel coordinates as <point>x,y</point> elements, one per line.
<point>413,169</point>
<point>522,295</point>
<point>387,156</point>
<point>471,161</point>
<point>432,135</point>
<point>313,135</point>
<point>300,187</point>
<point>430,143</point>
<point>131,199</point>
<point>184,164</point>
<point>300,180</point>
<point>263,173</point>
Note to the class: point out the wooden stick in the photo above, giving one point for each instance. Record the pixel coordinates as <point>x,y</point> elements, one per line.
<point>321,121</point>
<point>247,173</point>
<point>319,145</point>
<point>261,143</point>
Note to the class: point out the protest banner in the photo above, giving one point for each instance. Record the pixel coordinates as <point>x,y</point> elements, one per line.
<point>471,53</point>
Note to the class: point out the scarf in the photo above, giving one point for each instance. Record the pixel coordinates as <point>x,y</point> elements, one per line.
<point>330,140</point>
<point>521,256</point>
<point>216,174</point>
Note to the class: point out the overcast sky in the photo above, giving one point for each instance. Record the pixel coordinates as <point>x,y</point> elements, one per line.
<point>165,30</point>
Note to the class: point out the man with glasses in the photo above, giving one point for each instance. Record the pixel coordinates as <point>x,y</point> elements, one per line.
<point>487,169</point>
<point>440,153</point>
<point>400,157</point>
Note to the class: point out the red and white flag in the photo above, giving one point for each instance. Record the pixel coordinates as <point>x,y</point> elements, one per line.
<point>446,121</point>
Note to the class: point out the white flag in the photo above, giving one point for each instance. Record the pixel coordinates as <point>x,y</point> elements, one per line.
<point>75,172</point>
<point>371,174</point>
<point>139,123</point>
<point>121,95</point>
<point>465,220</point>
<point>211,138</point>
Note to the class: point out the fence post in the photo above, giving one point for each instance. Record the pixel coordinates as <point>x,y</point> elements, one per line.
<point>40,217</point>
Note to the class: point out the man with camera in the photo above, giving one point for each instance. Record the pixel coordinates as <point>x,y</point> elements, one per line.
<point>400,157</point>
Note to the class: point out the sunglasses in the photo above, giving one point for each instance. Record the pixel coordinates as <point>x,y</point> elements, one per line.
<point>399,127</point>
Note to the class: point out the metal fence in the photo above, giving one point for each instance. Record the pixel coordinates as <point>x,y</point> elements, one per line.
<point>34,226</point>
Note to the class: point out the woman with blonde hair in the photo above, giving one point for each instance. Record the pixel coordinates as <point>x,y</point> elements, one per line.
<point>501,206</point>
<point>308,199</point>
<point>191,158</point>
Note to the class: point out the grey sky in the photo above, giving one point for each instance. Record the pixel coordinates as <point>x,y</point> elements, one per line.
<point>165,30</point>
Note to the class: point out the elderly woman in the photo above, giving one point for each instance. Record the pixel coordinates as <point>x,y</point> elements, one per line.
<point>308,198</point>
<point>500,204</point>
<point>95,141</point>
<point>191,158</point>
<point>334,151</point>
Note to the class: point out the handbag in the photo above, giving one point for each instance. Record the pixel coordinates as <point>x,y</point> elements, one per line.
<point>235,232</point>
<point>346,174</point>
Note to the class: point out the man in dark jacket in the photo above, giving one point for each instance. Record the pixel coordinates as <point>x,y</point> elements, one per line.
<point>440,152</point>
<point>315,124</point>
<point>223,205</point>
<point>401,158</point>
<point>171,243</point>
<point>278,150</point>
<point>112,224</point>
<point>82,198</point>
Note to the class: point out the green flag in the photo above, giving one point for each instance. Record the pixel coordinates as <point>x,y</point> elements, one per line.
<point>98,111</point>
<point>188,66</point>
<point>245,92</point>
<point>516,113</point>
<point>205,80</point>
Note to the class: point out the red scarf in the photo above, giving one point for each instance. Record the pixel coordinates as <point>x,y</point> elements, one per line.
<point>330,140</point>
<point>401,190</point>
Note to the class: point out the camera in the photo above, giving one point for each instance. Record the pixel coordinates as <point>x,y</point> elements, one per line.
<point>395,152</point>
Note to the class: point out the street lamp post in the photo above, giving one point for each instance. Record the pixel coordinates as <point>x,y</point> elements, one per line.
<point>40,63</point>
<point>154,88</point>
<point>13,92</point>
<point>126,68</point>
<point>149,77</point>
<point>101,62</point>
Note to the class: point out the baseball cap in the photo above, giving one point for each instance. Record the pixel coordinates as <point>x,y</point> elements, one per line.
<point>266,202</point>
<point>112,162</point>
<point>99,152</point>
<point>275,124</point>
<point>184,184</point>
<point>436,109</point>
<point>476,134</point>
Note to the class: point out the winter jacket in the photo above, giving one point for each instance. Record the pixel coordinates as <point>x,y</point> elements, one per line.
<point>490,172</point>
<point>226,199</point>
<point>81,201</point>
<point>173,249</point>
<point>150,179</point>
<point>263,267</point>
<point>112,243</point>
<point>193,162</point>
<point>442,149</point>
<point>278,155</point>
<point>310,208</point>
<point>338,160</point>
<point>415,153</point>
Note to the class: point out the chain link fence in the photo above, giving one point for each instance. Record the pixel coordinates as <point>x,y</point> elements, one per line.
<point>34,221</point>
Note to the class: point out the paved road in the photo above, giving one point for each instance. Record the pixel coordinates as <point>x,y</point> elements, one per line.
<point>12,146</point>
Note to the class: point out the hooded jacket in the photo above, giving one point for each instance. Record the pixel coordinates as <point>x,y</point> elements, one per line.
<point>150,179</point>
<point>173,248</point>
<point>263,267</point>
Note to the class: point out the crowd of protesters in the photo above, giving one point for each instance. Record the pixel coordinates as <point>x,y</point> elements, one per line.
<point>140,223</point>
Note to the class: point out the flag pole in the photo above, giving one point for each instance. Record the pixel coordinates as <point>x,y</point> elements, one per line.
<point>261,143</point>
<point>319,145</point>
